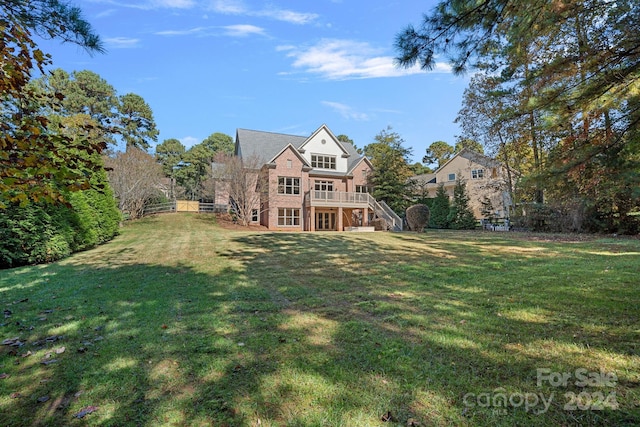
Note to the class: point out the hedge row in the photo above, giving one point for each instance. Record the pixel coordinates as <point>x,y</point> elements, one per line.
<point>39,233</point>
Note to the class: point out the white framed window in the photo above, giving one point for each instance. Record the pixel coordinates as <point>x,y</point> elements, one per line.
<point>477,174</point>
<point>324,186</point>
<point>289,164</point>
<point>254,215</point>
<point>288,217</point>
<point>363,189</point>
<point>452,177</point>
<point>288,185</point>
<point>323,162</point>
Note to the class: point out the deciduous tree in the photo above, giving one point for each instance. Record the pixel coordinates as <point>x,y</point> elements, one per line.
<point>135,177</point>
<point>36,164</point>
<point>570,72</point>
<point>243,181</point>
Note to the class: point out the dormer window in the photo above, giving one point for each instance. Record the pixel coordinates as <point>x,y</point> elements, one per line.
<point>323,162</point>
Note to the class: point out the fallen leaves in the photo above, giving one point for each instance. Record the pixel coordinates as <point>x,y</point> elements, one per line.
<point>387,417</point>
<point>86,411</point>
<point>13,342</point>
<point>48,340</point>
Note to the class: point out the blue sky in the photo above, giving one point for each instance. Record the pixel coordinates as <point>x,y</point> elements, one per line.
<point>277,66</point>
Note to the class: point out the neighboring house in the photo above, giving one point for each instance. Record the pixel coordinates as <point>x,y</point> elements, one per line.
<point>314,183</point>
<point>483,176</point>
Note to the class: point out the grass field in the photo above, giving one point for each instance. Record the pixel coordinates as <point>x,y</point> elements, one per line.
<point>182,322</point>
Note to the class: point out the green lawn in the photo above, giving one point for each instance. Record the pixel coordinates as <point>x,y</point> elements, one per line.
<point>181,322</point>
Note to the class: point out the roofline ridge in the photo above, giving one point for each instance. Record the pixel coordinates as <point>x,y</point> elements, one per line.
<point>273,133</point>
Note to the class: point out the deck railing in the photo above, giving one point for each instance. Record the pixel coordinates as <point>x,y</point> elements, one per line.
<point>354,200</point>
<point>338,198</point>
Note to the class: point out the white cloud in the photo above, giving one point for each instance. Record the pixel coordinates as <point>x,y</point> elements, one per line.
<point>240,30</point>
<point>284,48</point>
<point>151,4</point>
<point>106,13</point>
<point>346,111</point>
<point>441,67</point>
<point>189,141</point>
<point>121,42</point>
<point>237,7</point>
<point>336,59</point>
<point>230,7</point>
<point>243,30</point>
<point>187,32</point>
<point>173,4</point>
<point>227,7</point>
<point>288,16</point>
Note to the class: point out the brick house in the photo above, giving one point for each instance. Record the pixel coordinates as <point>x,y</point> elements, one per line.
<point>315,183</point>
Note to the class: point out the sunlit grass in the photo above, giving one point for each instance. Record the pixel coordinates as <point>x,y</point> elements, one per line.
<point>182,322</point>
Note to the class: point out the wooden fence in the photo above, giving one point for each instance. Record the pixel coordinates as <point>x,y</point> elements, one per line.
<point>184,206</point>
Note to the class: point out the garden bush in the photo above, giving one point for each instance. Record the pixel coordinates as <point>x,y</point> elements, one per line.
<point>418,217</point>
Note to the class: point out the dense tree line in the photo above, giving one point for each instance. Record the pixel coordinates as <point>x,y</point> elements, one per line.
<point>390,180</point>
<point>556,96</point>
<point>55,196</point>
<point>190,169</point>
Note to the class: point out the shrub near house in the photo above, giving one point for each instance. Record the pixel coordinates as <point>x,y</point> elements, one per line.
<point>418,217</point>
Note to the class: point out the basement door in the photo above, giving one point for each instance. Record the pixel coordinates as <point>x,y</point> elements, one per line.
<point>326,221</point>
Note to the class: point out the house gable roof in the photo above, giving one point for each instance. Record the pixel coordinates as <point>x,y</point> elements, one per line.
<point>425,178</point>
<point>472,156</point>
<point>331,135</point>
<point>267,146</point>
<point>295,152</point>
<point>353,165</point>
<point>264,145</point>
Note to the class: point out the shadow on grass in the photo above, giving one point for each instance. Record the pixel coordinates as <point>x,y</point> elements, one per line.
<point>137,341</point>
<point>415,327</point>
<point>312,329</point>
